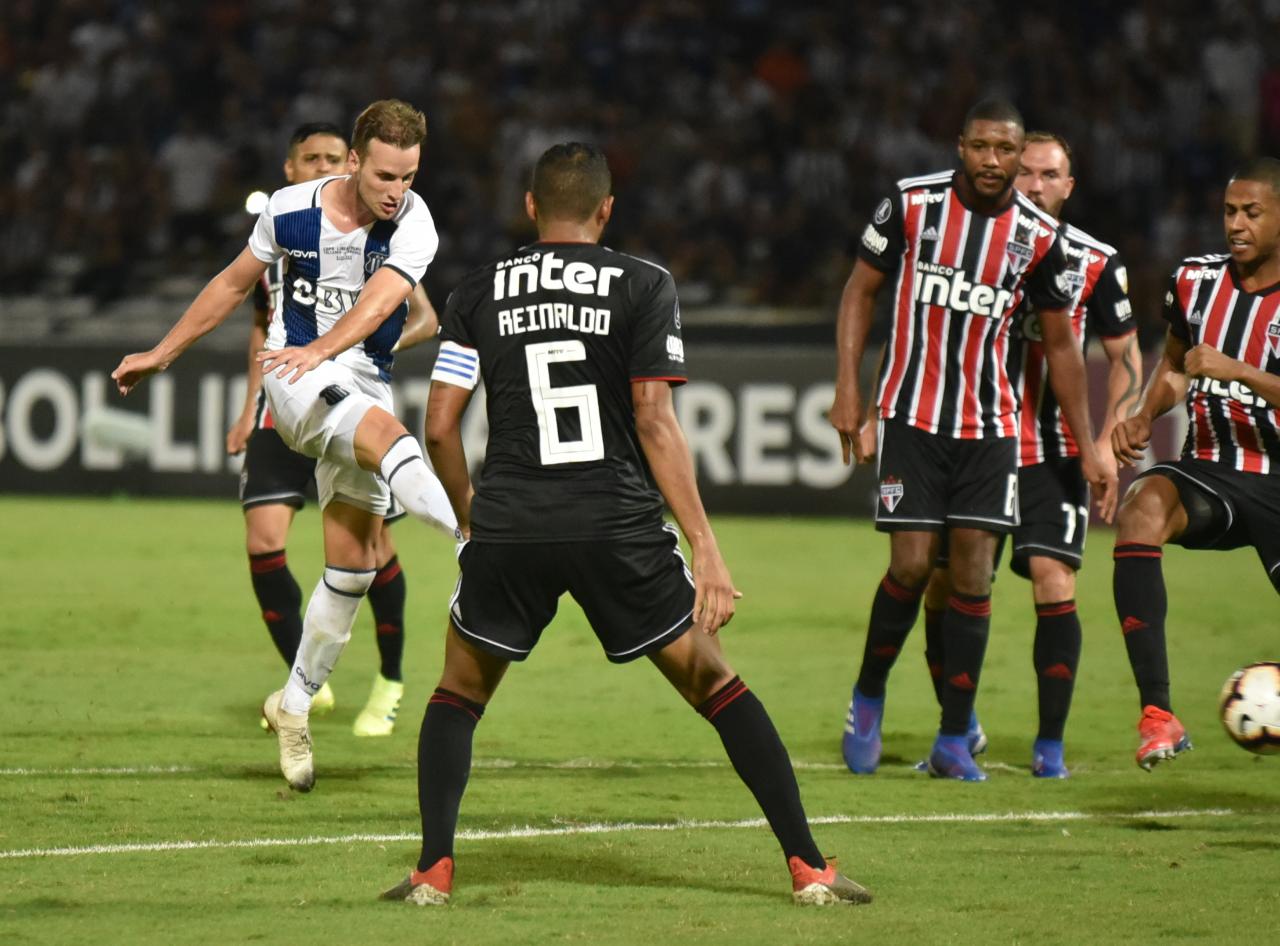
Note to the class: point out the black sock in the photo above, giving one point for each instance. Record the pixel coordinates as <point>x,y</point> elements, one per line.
<point>933,649</point>
<point>280,600</point>
<point>761,761</point>
<point>386,597</point>
<point>1057,657</point>
<point>965,627</point>
<point>444,764</point>
<point>1141,605</point>
<point>893,612</point>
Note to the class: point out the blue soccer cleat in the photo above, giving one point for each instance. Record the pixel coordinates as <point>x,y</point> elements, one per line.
<point>1046,759</point>
<point>975,737</point>
<point>861,741</point>
<point>950,758</point>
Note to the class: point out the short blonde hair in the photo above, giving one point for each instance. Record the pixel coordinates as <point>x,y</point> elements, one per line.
<point>391,120</point>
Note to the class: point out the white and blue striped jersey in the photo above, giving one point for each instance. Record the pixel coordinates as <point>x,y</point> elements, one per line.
<point>326,269</point>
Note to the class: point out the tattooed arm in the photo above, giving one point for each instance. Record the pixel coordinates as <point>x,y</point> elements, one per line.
<point>1124,384</point>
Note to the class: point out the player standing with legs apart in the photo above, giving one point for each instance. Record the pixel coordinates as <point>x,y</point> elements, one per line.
<point>579,347</point>
<point>1222,356</point>
<point>357,246</point>
<point>1053,497</point>
<point>274,479</point>
<point>966,248</point>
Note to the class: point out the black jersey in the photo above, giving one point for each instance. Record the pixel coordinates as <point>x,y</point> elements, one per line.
<point>558,331</point>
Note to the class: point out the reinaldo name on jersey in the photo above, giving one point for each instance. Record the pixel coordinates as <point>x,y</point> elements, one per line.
<point>527,274</point>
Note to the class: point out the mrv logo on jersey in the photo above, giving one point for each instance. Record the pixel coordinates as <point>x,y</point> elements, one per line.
<point>947,287</point>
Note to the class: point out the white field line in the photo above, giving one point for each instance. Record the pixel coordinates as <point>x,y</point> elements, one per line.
<point>618,827</point>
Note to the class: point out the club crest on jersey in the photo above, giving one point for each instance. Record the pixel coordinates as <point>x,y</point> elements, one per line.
<point>373,262</point>
<point>891,492</point>
<point>1071,281</point>
<point>1019,255</point>
<point>1273,338</point>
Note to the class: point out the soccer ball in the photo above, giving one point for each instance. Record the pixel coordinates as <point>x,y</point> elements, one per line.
<point>1250,705</point>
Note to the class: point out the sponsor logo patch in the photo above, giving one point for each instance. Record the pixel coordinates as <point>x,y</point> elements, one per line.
<point>675,349</point>
<point>873,240</point>
<point>891,493</point>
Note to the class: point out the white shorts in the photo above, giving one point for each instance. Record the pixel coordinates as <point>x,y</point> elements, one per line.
<point>318,417</point>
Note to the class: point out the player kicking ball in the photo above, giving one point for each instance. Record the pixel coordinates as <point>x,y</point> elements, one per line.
<point>579,347</point>
<point>1222,359</point>
<point>357,245</point>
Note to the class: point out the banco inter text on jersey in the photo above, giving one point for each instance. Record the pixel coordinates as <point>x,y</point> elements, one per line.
<point>558,332</point>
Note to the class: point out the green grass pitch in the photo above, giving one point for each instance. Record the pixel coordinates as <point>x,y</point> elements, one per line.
<point>132,663</point>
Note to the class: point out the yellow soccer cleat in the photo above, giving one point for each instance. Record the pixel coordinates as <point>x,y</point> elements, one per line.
<point>378,718</point>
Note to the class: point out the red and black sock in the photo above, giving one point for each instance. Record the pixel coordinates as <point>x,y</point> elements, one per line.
<point>966,624</point>
<point>761,761</point>
<point>386,598</point>
<point>934,652</point>
<point>1056,655</point>
<point>280,600</point>
<point>893,612</point>
<point>1141,605</point>
<point>444,765</point>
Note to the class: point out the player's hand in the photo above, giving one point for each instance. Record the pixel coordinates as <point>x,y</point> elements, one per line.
<point>867,444</point>
<point>1205,361</point>
<point>134,368</point>
<point>289,363</point>
<point>1130,438</point>
<point>1102,478</point>
<point>238,435</point>
<point>846,417</point>
<point>713,592</point>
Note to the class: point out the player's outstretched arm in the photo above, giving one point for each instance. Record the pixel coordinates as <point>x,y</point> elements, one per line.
<point>857,308</point>
<point>215,302</point>
<point>443,438</point>
<point>1070,387</point>
<point>668,454</point>
<point>422,324</point>
<point>238,435</point>
<point>382,294</point>
<point>1167,387</point>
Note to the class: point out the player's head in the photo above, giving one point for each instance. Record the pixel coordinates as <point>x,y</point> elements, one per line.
<point>385,147</point>
<point>1251,212</point>
<point>571,184</point>
<point>316,150</point>
<point>990,145</point>
<point>1044,171</point>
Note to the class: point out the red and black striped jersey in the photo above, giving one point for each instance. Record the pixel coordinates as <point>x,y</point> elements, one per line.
<point>1101,306</point>
<point>1227,421</point>
<point>961,275</point>
<point>266,298</point>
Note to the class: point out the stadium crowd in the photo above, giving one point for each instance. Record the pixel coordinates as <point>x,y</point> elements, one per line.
<point>748,138</point>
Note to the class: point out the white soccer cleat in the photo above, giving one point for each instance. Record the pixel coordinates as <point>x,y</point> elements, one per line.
<point>378,718</point>
<point>321,705</point>
<point>294,737</point>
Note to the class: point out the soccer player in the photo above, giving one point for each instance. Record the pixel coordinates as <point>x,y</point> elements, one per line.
<point>1048,542</point>
<point>357,245</point>
<point>274,479</point>
<point>964,248</point>
<point>1222,356</point>
<point>579,347</point>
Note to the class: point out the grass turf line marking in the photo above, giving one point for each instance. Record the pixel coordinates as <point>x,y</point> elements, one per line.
<point>115,770</point>
<point>584,763</point>
<point>623,826</point>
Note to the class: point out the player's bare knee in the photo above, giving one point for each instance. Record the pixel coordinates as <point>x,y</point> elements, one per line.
<point>911,563</point>
<point>1146,512</point>
<point>374,435</point>
<point>1051,580</point>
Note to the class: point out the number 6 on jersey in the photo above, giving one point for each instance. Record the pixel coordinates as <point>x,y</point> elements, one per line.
<point>548,400</point>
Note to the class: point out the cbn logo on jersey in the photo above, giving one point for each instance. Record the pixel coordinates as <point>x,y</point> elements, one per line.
<point>873,240</point>
<point>891,492</point>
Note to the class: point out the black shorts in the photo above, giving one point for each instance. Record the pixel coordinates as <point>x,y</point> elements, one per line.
<point>637,592</point>
<point>1053,501</point>
<point>929,482</point>
<point>272,473</point>
<point>1248,506</point>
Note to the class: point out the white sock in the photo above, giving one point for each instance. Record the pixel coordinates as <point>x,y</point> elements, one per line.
<point>418,489</point>
<point>326,628</point>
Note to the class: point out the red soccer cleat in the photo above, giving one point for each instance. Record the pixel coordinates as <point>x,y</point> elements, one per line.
<point>426,888</point>
<point>1163,737</point>
<point>811,887</point>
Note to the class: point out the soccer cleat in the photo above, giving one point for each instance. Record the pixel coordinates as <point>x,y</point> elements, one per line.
<point>378,718</point>
<point>426,888</point>
<point>322,703</point>
<point>950,758</point>
<point>295,743</point>
<point>861,741</point>
<point>1046,759</point>
<point>818,888</point>
<point>1163,737</point>
<point>976,737</point>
